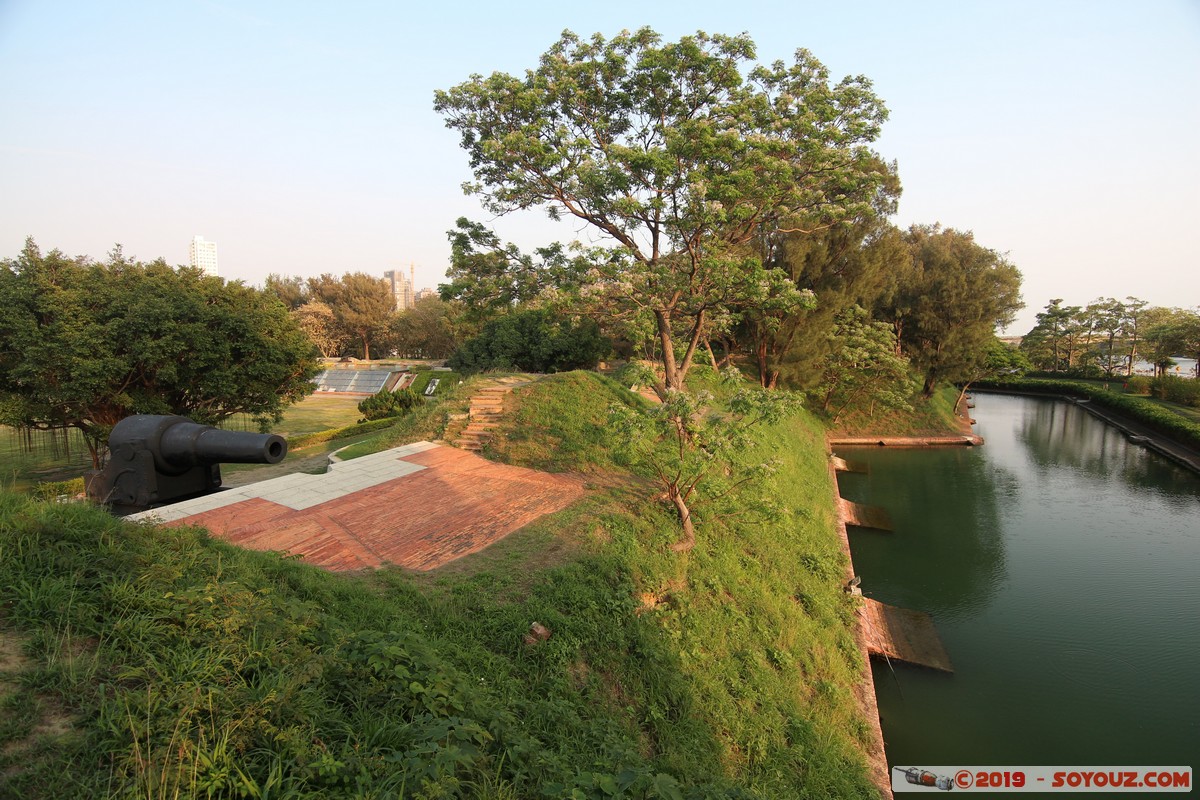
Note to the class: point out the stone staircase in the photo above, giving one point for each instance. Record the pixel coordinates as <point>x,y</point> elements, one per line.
<point>487,407</point>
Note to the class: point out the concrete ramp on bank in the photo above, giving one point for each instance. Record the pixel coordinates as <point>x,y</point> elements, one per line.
<point>843,465</point>
<point>864,516</point>
<point>902,634</point>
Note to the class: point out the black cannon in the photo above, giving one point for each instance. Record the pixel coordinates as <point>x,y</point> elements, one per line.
<point>159,459</point>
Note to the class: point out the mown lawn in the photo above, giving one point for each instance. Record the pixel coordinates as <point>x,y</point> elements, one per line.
<point>40,456</point>
<point>317,412</point>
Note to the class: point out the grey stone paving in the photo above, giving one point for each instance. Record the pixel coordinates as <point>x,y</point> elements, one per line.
<point>299,491</point>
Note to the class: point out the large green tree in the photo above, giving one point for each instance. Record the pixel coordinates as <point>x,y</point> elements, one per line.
<point>290,289</point>
<point>491,278</point>
<point>844,266</point>
<point>533,340</point>
<point>947,302</point>
<point>426,330</point>
<point>1172,332</point>
<point>84,344</point>
<point>317,320</point>
<point>1048,345</point>
<point>681,156</point>
<point>861,370</point>
<point>362,305</point>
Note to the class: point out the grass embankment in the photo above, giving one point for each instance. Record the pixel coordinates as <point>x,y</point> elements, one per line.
<point>1152,413</point>
<point>933,416</point>
<point>163,663</point>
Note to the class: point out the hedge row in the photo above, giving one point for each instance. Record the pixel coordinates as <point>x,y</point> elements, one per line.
<point>1137,408</point>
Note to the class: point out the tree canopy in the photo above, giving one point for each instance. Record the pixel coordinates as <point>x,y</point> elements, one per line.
<point>947,302</point>
<point>680,156</point>
<point>362,306</point>
<point>86,344</point>
<point>533,340</point>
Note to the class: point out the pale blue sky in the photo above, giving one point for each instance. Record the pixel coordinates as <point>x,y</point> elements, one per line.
<point>300,137</point>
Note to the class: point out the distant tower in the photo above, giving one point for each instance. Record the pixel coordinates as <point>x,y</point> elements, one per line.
<point>402,287</point>
<point>204,255</point>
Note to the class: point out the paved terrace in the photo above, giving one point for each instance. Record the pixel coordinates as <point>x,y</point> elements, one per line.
<point>418,506</point>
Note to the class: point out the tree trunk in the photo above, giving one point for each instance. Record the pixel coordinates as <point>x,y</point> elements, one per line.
<point>760,356</point>
<point>962,393</point>
<point>725,347</point>
<point>685,519</point>
<point>671,378</point>
<point>711,355</point>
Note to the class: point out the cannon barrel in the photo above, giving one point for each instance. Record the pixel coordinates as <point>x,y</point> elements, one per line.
<point>178,444</point>
<point>159,458</point>
<point>187,444</point>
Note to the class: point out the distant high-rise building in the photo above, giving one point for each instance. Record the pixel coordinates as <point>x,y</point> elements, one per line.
<point>204,255</point>
<point>426,292</point>
<point>402,287</point>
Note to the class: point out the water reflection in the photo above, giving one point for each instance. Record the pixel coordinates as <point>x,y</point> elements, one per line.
<point>916,566</point>
<point>1061,435</point>
<point>1059,561</point>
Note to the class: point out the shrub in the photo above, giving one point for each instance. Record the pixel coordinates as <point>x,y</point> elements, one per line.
<point>384,404</point>
<point>1137,384</point>
<point>533,341</point>
<point>50,490</point>
<point>1184,391</point>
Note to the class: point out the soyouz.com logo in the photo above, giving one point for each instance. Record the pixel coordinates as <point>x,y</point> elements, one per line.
<point>1041,779</point>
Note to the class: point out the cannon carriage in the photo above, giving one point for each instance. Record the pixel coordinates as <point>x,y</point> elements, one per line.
<point>156,459</point>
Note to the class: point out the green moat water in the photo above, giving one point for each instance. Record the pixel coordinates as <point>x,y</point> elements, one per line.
<point>1061,564</point>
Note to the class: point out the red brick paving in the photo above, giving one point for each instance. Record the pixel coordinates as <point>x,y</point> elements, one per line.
<point>459,504</point>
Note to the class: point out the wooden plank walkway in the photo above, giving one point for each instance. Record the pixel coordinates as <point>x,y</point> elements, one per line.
<point>864,516</point>
<point>903,635</point>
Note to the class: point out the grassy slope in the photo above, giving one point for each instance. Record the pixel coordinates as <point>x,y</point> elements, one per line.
<point>191,667</point>
<point>929,417</point>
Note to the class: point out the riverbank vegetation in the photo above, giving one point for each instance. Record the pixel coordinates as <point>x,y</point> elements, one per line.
<point>1169,422</point>
<point>1107,337</point>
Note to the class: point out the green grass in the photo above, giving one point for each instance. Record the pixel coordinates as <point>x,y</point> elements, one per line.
<point>933,416</point>
<point>560,423</point>
<point>317,412</point>
<point>42,456</point>
<point>447,381</point>
<point>1190,414</point>
<point>191,668</point>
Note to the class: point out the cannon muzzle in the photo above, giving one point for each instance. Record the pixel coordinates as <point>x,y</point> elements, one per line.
<point>187,444</point>
<point>159,459</point>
